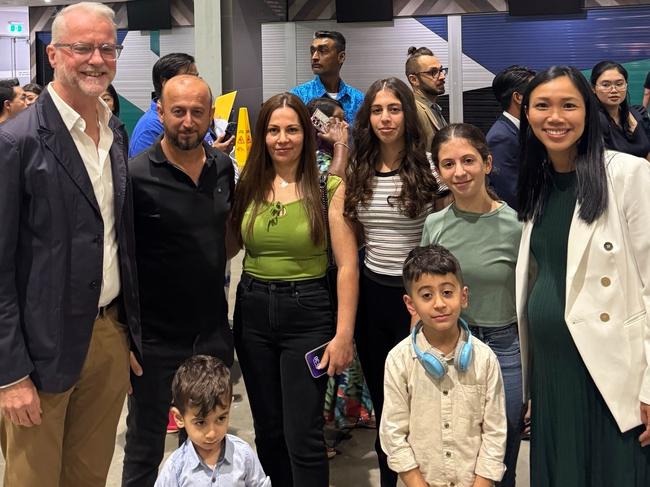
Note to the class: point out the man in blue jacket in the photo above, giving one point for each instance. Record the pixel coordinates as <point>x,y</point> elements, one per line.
<point>503,137</point>
<point>69,307</point>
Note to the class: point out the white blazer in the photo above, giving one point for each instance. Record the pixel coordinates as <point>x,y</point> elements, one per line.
<point>607,290</point>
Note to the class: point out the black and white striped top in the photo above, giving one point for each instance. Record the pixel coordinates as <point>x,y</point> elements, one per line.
<point>390,235</point>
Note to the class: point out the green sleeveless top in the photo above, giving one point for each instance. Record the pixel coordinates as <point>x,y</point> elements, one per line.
<point>280,247</point>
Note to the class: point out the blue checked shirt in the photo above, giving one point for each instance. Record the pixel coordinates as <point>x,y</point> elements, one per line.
<point>349,97</point>
<point>237,467</point>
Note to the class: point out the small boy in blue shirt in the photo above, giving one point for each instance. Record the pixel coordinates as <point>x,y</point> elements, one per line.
<point>202,395</point>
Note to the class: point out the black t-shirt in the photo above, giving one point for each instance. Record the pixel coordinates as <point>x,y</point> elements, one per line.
<point>180,230</point>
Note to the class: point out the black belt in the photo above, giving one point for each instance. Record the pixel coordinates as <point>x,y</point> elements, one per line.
<point>247,280</point>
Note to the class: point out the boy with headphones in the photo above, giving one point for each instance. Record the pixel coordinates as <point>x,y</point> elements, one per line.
<point>444,420</point>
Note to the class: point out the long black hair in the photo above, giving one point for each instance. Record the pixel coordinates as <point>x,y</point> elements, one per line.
<point>624,112</point>
<point>535,171</point>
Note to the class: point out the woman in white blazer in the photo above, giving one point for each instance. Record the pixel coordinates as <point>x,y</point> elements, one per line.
<point>583,291</point>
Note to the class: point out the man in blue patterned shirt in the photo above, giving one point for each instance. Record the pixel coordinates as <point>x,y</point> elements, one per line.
<point>327,57</point>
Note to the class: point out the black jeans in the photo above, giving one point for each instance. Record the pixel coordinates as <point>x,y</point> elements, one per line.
<point>149,403</point>
<point>275,324</point>
<point>382,322</point>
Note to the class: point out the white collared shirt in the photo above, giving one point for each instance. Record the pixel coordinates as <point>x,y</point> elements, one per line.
<point>453,428</point>
<point>98,166</point>
<point>512,118</point>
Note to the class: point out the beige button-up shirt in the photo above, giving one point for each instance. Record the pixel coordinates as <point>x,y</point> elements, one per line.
<point>452,429</point>
<point>98,165</point>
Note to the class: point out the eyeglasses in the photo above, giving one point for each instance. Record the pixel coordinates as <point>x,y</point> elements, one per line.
<point>608,85</point>
<point>435,72</point>
<point>110,52</point>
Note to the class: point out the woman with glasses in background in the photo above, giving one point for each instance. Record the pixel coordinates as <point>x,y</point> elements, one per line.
<point>622,125</point>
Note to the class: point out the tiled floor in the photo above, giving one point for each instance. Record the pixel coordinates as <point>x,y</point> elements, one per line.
<point>355,466</point>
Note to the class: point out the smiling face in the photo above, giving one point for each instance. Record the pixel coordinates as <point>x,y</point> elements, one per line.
<point>556,113</point>
<point>463,170</point>
<point>76,75</point>
<point>184,110</point>
<point>611,88</point>
<point>207,433</point>
<point>438,299</point>
<point>284,137</point>
<point>387,117</point>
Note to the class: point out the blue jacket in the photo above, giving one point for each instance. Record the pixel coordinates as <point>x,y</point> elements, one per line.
<point>503,140</point>
<point>51,249</point>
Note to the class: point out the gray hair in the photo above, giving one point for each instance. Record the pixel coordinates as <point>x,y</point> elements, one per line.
<point>97,9</point>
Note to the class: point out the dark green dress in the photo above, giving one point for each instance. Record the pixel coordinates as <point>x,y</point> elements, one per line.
<point>575,441</point>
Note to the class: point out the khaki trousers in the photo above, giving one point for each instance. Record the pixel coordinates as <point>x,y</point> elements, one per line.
<point>73,446</point>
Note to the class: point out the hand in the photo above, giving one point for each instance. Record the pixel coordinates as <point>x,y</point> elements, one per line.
<point>338,355</point>
<point>20,403</point>
<point>136,368</point>
<point>337,131</point>
<point>224,146</point>
<point>644,439</point>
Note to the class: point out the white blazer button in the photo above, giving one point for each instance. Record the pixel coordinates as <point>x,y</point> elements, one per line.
<point>605,281</point>
<point>608,246</point>
<point>604,317</point>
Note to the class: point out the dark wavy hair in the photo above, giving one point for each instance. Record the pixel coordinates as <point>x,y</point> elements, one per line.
<point>418,183</point>
<point>535,172</point>
<point>471,134</point>
<point>202,382</point>
<point>624,113</point>
<point>256,180</point>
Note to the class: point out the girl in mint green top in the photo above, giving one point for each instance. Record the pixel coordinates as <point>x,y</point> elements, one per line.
<point>483,233</point>
<point>283,308</point>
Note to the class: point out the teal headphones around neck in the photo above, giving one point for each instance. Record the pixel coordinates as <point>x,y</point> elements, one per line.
<point>436,367</point>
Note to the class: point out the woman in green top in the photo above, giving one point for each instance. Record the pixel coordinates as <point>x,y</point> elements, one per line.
<point>583,295</point>
<point>283,307</point>
<point>483,233</point>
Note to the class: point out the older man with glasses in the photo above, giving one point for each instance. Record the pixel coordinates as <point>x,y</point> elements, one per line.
<point>427,78</point>
<point>69,308</point>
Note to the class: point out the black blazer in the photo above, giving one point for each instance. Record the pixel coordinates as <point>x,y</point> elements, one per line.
<point>503,140</point>
<point>51,248</point>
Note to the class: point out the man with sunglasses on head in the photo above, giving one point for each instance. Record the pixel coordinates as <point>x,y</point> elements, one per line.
<point>327,57</point>
<point>427,78</point>
<point>69,307</point>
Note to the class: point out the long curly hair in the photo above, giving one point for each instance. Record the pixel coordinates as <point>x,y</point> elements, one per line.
<point>256,180</point>
<point>419,186</point>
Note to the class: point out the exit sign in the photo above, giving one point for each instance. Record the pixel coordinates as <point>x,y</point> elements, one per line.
<point>16,27</point>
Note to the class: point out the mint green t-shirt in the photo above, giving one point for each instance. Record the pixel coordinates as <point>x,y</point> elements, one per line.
<point>486,245</point>
<point>280,247</point>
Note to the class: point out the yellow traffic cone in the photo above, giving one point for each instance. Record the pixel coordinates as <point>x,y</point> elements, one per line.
<point>243,141</point>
